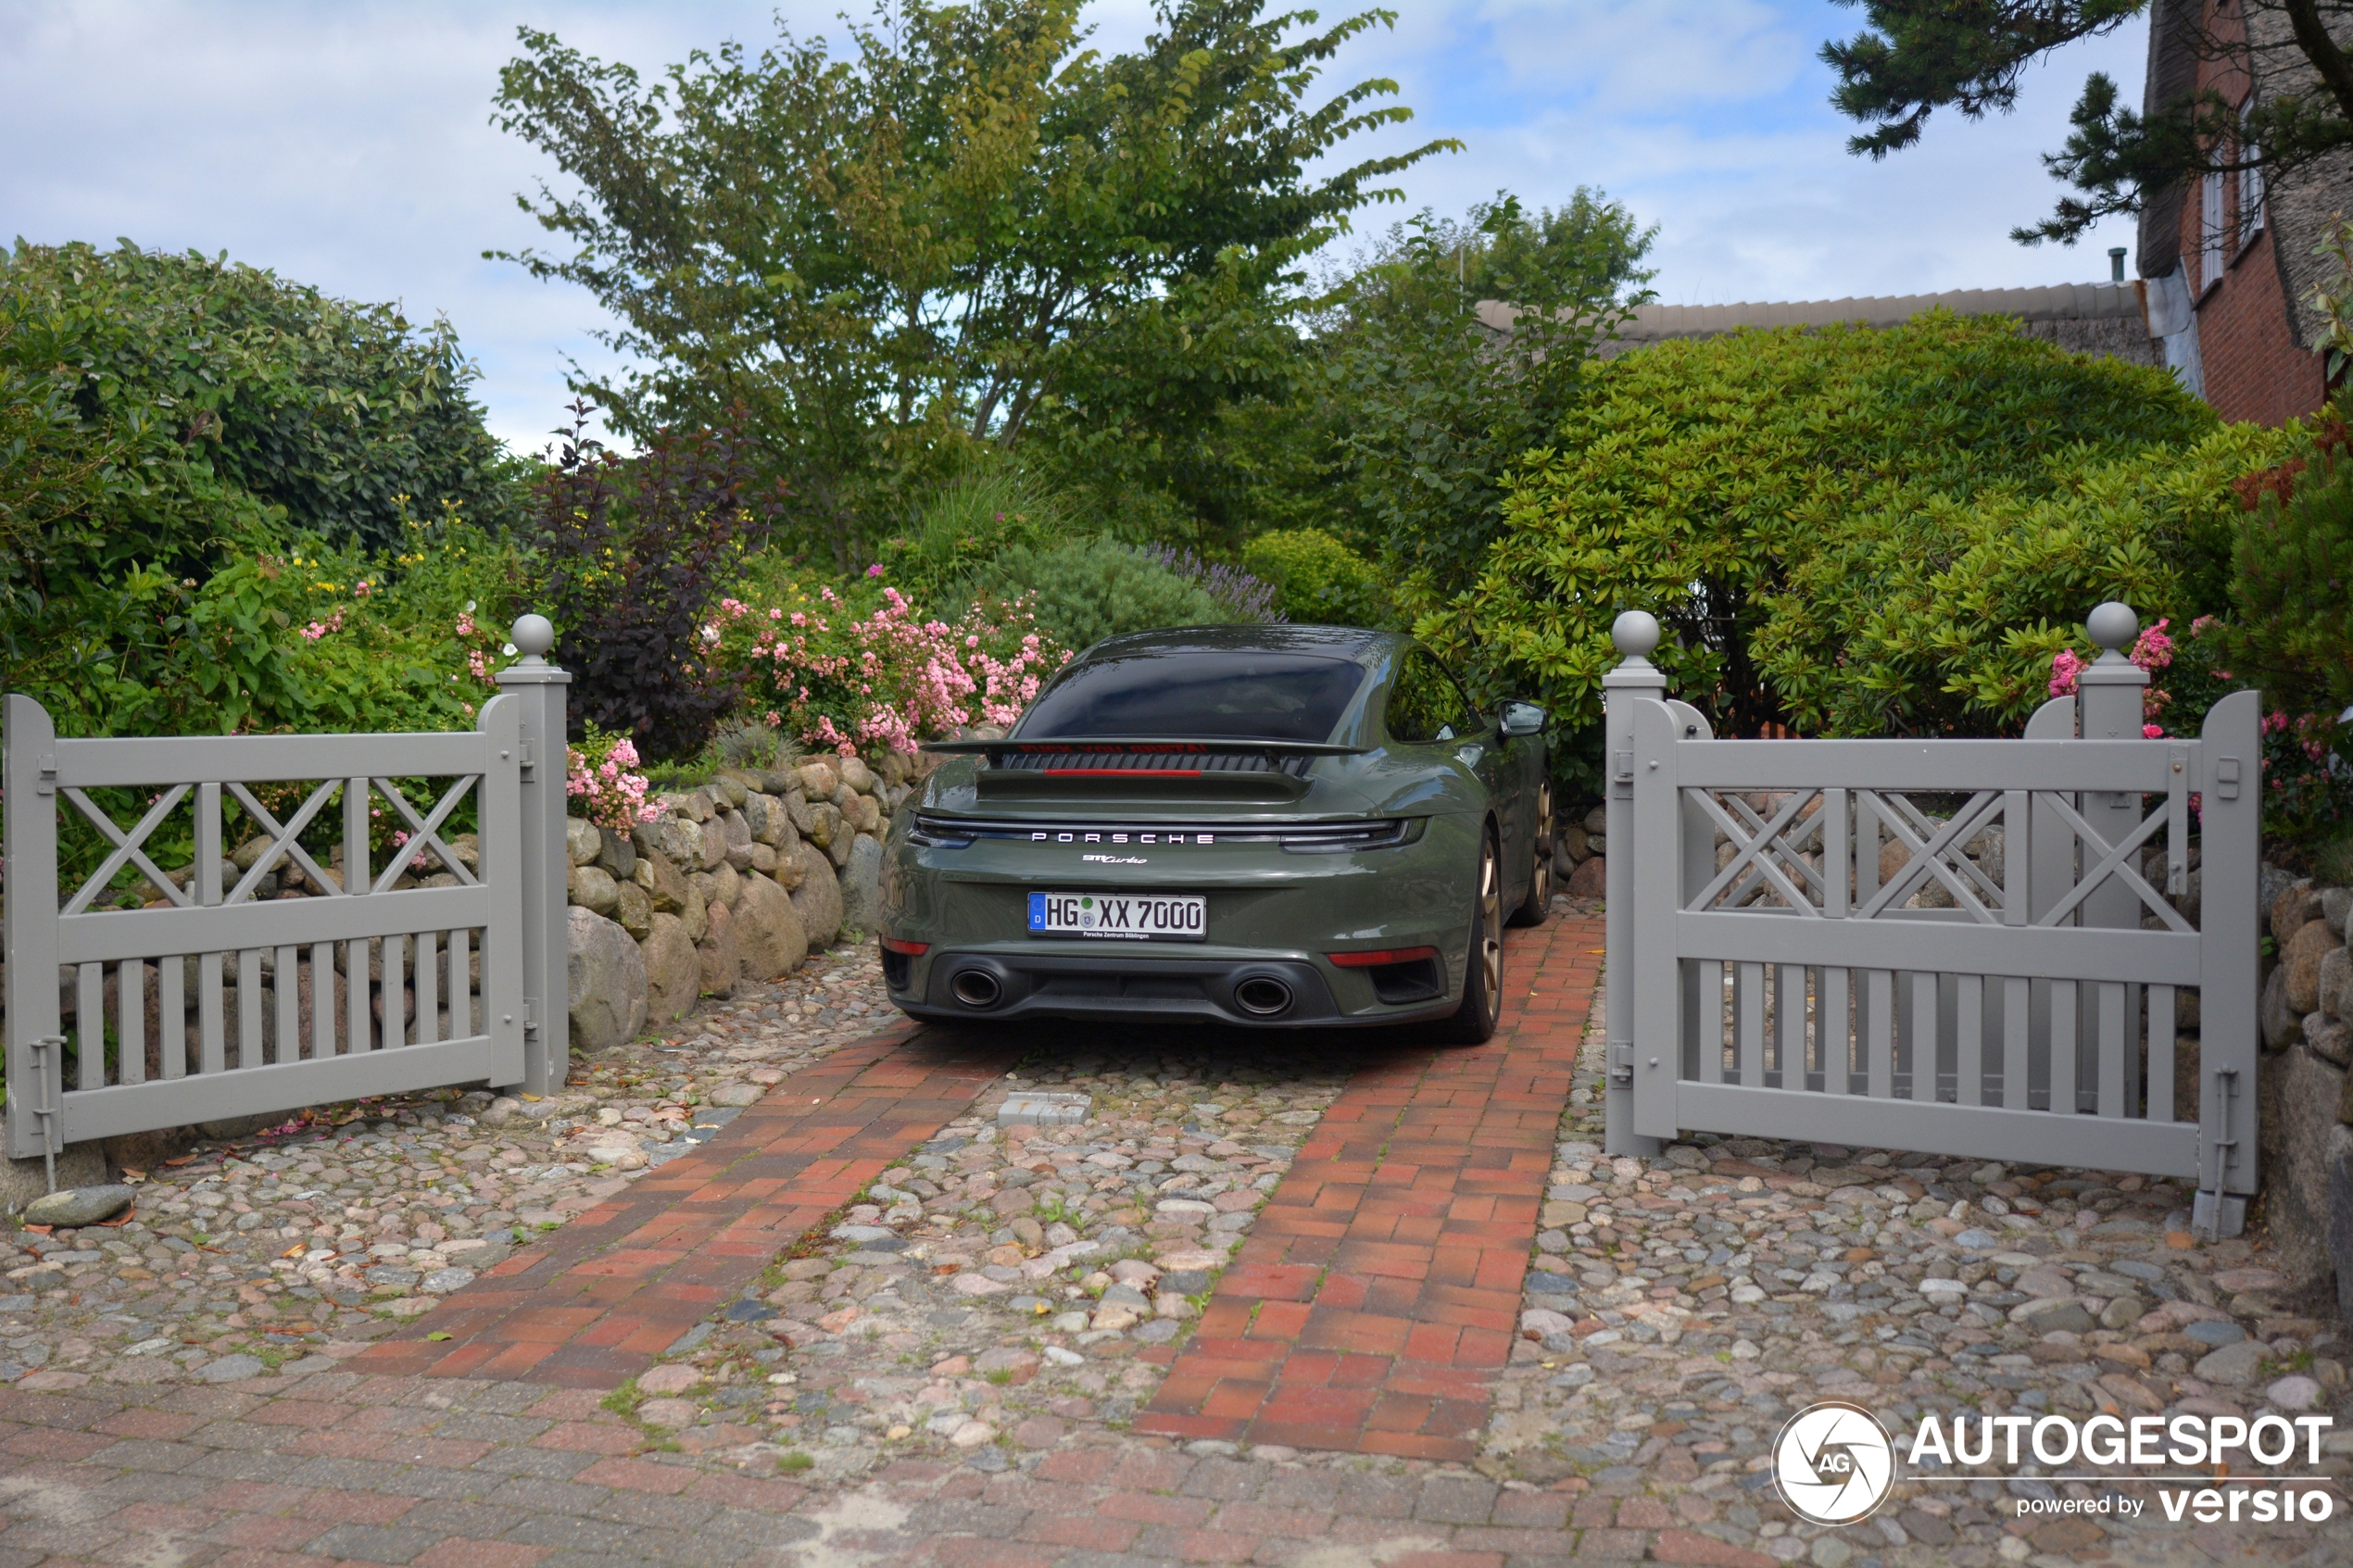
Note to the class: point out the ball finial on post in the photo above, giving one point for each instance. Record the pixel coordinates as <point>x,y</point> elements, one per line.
<point>2113,626</point>
<point>533,635</point>
<point>1634,633</point>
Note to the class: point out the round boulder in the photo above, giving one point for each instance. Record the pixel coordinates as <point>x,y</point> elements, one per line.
<point>2301,961</point>
<point>861,887</point>
<point>75,1207</point>
<point>819,895</point>
<point>673,970</point>
<point>768,930</point>
<point>723,961</point>
<point>593,887</point>
<point>605,976</point>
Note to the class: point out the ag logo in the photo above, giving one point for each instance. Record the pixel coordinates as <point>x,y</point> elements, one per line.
<point>1834,1461</point>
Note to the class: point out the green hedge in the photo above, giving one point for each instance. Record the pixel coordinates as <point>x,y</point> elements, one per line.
<point>1852,532</point>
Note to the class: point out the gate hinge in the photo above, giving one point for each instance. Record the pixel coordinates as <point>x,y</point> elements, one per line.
<point>2217,1212</point>
<point>530,762</point>
<point>48,1055</point>
<point>531,1015</point>
<point>2226,778</point>
<point>1621,1061</point>
<point>48,782</point>
<point>1621,766</point>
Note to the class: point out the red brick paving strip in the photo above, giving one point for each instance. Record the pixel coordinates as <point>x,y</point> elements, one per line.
<point>1380,1290</point>
<point>618,1286</point>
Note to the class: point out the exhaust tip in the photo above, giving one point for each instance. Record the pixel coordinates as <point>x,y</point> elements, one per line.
<point>1263,996</point>
<point>976,988</point>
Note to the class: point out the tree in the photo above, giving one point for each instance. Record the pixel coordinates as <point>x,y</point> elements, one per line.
<point>1430,404</point>
<point>961,223</point>
<point>1970,55</point>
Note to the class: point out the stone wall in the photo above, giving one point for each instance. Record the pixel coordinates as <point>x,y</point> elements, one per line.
<point>2307,1101</point>
<point>740,879</point>
<point>1577,846</point>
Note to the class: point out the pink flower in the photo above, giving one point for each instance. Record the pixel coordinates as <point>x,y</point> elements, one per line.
<point>2153,650</point>
<point>874,570</point>
<point>2065,667</point>
<point>2152,732</point>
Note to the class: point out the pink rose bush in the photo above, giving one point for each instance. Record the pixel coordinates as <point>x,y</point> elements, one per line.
<point>876,674</point>
<point>2152,650</point>
<point>602,780</point>
<point>2307,783</point>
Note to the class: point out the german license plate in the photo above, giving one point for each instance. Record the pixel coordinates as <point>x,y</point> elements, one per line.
<point>1121,917</point>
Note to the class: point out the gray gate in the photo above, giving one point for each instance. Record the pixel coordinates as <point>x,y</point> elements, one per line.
<point>1954,947</point>
<point>435,962</point>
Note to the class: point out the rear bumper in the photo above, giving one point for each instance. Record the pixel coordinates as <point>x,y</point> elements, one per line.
<point>1274,992</point>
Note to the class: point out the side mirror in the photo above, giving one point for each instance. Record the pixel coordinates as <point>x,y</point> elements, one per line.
<point>1522,719</point>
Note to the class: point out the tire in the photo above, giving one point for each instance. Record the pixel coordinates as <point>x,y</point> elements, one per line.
<point>1536,906</point>
<point>1474,1022</point>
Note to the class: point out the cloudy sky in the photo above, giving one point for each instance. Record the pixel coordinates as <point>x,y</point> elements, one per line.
<point>347,144</point>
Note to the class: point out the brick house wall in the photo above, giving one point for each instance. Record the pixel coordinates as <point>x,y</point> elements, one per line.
<point>2236,252</point>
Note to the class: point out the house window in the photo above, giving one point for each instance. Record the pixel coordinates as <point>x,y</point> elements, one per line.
<point>2250,181</point>
<point>2212,224</point>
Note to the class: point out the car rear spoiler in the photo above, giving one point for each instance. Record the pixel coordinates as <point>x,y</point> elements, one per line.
<point>1116,768</point>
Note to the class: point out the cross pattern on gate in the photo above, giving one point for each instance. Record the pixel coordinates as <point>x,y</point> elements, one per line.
<point>284,842</point>
<point>1775,859</point>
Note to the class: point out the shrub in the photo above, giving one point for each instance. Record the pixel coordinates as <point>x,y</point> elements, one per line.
<point>2290,626</point>
<point>1244,596</point>
<point>964,523</point>
<point>1318,580</point>
<point>1838,538</point>
<point>1941,616</point>
<point>222,382</point>
<point>632,554</point>
<point>863,671</point>
<point>1096,589</point>
<point>603,784</point>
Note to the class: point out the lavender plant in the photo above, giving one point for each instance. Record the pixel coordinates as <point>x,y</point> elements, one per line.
<point>1249,598</point>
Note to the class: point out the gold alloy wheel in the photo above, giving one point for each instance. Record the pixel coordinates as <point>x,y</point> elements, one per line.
<point>1490,928</point>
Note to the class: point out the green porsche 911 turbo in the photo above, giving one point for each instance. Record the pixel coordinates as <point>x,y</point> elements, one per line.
<point>1279,825</point>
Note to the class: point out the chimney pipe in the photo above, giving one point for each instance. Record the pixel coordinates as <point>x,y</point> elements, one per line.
<point>2116,264</point>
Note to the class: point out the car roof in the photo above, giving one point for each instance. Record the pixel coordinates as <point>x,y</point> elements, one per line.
<point>1367,647</point>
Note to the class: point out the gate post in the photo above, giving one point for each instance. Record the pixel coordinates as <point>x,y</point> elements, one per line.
<point>539,686</point>
<point>1634,633</point>
<point>36,1036</point>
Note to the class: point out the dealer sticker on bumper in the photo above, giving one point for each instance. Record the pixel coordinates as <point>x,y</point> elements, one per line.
<point>1120,916</point>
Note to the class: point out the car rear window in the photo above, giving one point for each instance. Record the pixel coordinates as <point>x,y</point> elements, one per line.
<point>1287,696</point>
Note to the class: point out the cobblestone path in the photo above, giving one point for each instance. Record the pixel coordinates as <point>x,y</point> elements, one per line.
<point>960,1358</point>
